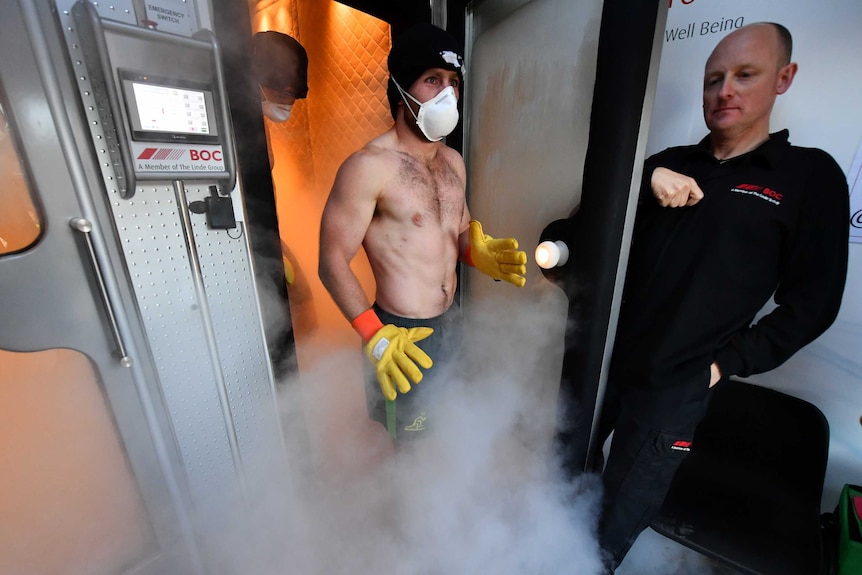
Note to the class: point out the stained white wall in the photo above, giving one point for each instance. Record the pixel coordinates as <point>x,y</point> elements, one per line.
<point>530,78</point>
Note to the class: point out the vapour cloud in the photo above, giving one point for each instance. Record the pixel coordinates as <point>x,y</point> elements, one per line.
<point>480,496</point>
<point>483,495</point>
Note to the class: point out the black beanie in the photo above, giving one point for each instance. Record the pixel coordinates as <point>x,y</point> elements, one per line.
<point>416,50</point>
<point>280,62</point>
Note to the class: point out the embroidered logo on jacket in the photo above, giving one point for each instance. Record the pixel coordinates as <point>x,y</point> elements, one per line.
<point>761,192</point>
<point>681,446</point>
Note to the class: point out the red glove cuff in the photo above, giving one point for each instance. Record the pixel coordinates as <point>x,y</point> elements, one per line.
<point>468,259</point>
<point>367,324</point>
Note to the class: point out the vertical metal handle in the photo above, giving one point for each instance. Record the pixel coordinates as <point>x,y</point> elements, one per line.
<point>85,227</point>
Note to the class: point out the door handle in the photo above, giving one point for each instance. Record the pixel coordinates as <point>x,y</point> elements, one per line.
<point>85,227</point>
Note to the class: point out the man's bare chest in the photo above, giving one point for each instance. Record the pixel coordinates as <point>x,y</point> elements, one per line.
<point>426,191</point>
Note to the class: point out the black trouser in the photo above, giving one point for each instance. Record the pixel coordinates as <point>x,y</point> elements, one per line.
<point>653,432</point>
<point>411,415</point>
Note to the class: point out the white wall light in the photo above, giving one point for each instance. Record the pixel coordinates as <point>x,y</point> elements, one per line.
<point>551,254</point>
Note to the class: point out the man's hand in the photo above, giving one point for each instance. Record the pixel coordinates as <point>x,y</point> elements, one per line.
<point>714,374</point>
<point>393,351</point>
<point>498,258</point>
<point>673,189</point>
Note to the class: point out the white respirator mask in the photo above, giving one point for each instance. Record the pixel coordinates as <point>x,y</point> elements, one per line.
<point>276,112</point>
<point>438,116</point>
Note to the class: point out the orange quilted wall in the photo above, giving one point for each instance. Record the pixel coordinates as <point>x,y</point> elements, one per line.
<point>345,108</point>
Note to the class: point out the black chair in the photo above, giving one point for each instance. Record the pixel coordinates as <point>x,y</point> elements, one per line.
<point>748,496</point>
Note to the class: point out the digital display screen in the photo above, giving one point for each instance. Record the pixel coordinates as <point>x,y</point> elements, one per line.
<point>169,110</point>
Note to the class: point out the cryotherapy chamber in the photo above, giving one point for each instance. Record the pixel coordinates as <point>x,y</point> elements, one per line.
<point>133,346</point>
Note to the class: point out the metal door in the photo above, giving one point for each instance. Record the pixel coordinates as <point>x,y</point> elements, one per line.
<point>550,79</point>
<point>59,304</point>
<point>84,420</point>
<point>530,75</point>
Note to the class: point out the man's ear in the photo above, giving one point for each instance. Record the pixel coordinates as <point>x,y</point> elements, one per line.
<point>785,77</point>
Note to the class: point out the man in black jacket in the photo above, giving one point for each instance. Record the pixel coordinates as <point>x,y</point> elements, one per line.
<point>722,226</point>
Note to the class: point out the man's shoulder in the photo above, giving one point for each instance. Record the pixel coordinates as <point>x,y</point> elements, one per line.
<point>814,168</point>
<point>452,153</point>
<point>811,154</point>
<point>786,156</point>
<point>673,154</point>
<point>374,153</point>
<point>682,149</point>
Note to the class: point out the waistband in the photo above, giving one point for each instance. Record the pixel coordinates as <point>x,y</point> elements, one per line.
<point>434,322</point>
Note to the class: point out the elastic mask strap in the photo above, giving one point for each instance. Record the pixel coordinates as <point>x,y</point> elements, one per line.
<point>404,96</point>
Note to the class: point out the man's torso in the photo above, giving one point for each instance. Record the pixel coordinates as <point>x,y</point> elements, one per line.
<point>699,274</point>
<point>412,241</point>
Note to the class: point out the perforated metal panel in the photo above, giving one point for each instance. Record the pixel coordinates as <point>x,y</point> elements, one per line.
<point>220,398</point>
<point>234,309</point>
<point>158,263</point>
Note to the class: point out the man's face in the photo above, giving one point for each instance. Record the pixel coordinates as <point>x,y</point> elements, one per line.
<point>277,103</point>
<point>742,78</point>
<point>434,81</point>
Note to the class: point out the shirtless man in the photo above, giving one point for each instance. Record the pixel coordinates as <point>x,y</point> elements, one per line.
<point>402,197</point>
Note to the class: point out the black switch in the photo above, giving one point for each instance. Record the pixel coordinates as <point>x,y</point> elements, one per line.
<point>220,214</point>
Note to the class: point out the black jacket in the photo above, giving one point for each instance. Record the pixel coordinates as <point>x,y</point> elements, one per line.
<point>773,221</point>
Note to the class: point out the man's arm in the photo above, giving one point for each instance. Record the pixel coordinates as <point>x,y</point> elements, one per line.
<point>345,220</point>
<point>812,285</point>
<point>464,235</point>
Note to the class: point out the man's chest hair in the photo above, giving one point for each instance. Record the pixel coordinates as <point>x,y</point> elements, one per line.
<point>435,184</point>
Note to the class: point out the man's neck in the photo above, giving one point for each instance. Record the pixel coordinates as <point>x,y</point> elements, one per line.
<point>412,141</point>
<point>727,147</point>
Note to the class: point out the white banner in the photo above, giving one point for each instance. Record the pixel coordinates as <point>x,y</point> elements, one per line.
<point>854,178</point>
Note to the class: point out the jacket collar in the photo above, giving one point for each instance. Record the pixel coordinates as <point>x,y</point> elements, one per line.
<point>768,152</point>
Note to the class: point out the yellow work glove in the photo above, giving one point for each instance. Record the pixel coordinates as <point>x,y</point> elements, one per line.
<point>289,274</point>
<point>499,258</point>
<point>393,351</point>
